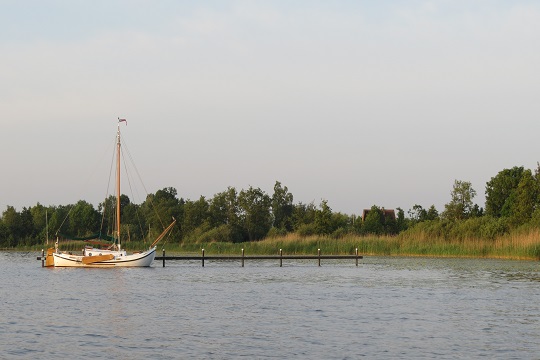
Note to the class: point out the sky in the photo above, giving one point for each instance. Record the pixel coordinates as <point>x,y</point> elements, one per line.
<point>359,103</point>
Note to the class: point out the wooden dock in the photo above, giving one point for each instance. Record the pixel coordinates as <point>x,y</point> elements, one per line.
<point>242,258</point>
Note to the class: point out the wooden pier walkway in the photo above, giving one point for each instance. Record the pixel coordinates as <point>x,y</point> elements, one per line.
<point>242,258</point>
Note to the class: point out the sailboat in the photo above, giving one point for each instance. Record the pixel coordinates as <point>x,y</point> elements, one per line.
<point>114,256</point>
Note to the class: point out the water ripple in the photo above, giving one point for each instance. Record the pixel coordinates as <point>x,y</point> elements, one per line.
<point>385,308</point>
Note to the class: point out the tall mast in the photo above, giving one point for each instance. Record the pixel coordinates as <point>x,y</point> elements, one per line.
<point>118,186</point>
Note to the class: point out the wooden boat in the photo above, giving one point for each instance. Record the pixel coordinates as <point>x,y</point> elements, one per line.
<point>114,256</point>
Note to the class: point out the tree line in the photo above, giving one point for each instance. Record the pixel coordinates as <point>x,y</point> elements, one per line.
<point>512,205</point>
<point>512,201</point>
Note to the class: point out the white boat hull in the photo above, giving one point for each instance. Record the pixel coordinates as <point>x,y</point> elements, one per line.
<point>120,259</point>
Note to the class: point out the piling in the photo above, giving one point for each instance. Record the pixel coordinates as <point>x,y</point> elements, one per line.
<point>202,258</point>
<point>163,257</point>
<point>319,255</point>
<point>42,258</point>
<point>242,257</point>
<point>280,258</point>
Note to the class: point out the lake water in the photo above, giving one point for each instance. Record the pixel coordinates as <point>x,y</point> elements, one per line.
<point>385,308</point>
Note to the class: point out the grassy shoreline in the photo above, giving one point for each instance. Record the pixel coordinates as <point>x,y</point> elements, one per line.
<point>511,247</point>
<point>525,246</point>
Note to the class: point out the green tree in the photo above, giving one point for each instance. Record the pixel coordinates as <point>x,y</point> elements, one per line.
<point>133,223</point>
<point>417,213</point>
<point>13,225</point>
<point>255,212</point>
<point>282,207</point>
<point>39,221</point>
<point>499,191</point>
<point>303,214</point>
<point>390,225</point>
<point>432,213</point>
<point>28,235</point>
<point>461,204</point>
<point>83,219</point>
<point>196,213</point>
<point>218,209</point>
<point>536,177</point>
<point>402,223</point>
<point>342,221</point>
<point>58,219</point>
<point>525,197</point>
<point>224,213</point>
<point>374,221</point>
<point>4,234</point>
<point>323,219</point>
<point>160,208</point>
<point>107,210</point>
<point>476,211</point>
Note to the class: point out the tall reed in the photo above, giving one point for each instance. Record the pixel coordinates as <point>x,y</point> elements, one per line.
<point>525,245</point>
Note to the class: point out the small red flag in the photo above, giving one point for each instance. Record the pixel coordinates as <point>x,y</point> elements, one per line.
<point>120,120</point>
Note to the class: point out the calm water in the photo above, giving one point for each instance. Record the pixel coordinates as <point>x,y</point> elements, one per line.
<point>386,308</point>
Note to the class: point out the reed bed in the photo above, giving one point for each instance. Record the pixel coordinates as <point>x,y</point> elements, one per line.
<point>517,245</point>
<point>512,246</point>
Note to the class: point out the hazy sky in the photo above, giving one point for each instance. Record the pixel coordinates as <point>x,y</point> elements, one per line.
<point>357,102</point>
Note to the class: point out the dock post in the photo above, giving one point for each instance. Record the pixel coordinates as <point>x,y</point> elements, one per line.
<point>242,257</point>
<point>42,258</point>
<point>280,258</point>
<point>319,254</point>
<point>163,257</point>
<point>356,256</point>
<point>202,257</point>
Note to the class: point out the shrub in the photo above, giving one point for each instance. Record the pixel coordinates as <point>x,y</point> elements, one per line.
<point>493,228</point>
<point>307,230</point>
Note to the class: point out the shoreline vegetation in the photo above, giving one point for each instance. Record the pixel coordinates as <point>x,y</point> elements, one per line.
<point>524,246</point>
<point>508,227</point>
